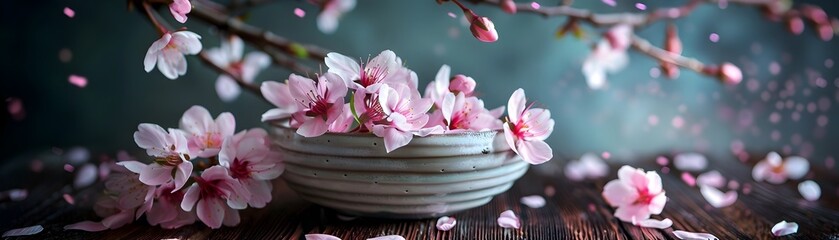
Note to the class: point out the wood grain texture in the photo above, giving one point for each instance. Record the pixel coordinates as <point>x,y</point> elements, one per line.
<point>576,211</point>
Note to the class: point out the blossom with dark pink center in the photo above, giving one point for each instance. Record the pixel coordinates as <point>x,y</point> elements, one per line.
<point>171,153</point>
<point>527,128</point>
<point>210,192</point>
<point>204,134</point>
<point>247,161</point>
<point>320,103</point>
<point>461,113</point>
<point>166,210</point>
<point>395,113</point>
<point>384,68</point>
<point>635,194</point>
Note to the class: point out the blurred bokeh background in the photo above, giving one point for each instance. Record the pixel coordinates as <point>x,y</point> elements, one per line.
<point>788,101</point>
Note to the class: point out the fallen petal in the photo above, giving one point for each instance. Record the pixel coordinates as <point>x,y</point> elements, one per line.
<point>784,228</point>
<point>689,179</point>
<point>693,235</point>
<point>445,223</point>
<point>508,219</point>
<point>810,190</point>
<point>388,237</point>
<point>717,198</point>
<point>690,162</point>
<point>86,226</point>
<point>24,231</point>
<point>654,223</point>
<point>85,176</point>
<point>69,168</point>
<point>14,194</point>
<point>77,155</point>
<point>712,178</point>
<point>318,236</point>
<point>533,201</point>
<point>69,199</point>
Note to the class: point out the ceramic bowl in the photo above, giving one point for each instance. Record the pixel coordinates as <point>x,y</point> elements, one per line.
<point>430,177</point>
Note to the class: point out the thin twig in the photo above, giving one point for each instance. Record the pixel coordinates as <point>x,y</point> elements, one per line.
<point>645,47</point>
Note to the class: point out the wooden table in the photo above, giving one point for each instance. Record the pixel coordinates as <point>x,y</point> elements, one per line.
<point>576,211</point>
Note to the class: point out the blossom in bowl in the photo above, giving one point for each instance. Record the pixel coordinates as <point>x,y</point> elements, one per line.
<point>775,170</point>
<point>320,103</point>
<point>205,135</point>
<point>171,153</point>
<point>279,95</point>
<point>229,57</point>
<point>527,128</point>
<point>443,84</point>
<point>384,68</point>
<point>635,194</point>
<point>396,113</point>
<point>460,113</point>
<point>167,53</point>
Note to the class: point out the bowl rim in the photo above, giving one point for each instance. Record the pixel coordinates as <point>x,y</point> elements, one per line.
<point>278,123</point>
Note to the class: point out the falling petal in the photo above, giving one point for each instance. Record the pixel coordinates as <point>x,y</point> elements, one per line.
<point>69,199</point>
<point>69,168</point>
<point>717,198</point>
<point>784,228</point>
<point>712,178</point>
<point>689,179</point>
<point>661,160</point>
<point>640,6</point>
<point>77,80</point>
<point>535,5</point>
<point>693,235</point>
<point>654,223</point>
<point>690,162</point>
<point>299,12</point>
<point>24,231</point>
<point>15,107</point>
<point>445,223</point>
<point>318,236</point>
<point>533,201</point>
<point>69,12</point>
<point>550,191</point>
<point>610,2</point>
<point>452,15</point>
<point>77,155</point>
<point>15,194</point>
<point>714,37</point>
<point>85,176</point>
<point>388,237</point>
<point>508,219</point>
<point>810,190</point>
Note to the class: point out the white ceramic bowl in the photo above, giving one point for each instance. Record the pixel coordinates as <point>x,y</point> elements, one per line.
<point>430,177</point>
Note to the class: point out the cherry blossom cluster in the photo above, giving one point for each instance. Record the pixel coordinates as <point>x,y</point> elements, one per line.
<point>202,170</point>
<point>381,97</point>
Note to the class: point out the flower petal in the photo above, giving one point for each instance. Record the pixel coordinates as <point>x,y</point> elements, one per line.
<point>211,212</point>
<point>690,162</point>
<point>85,176</point>
<point>717,198</point>
<point>617,193</point>
<point>388,237</point>
<point>313,127</point>
<point>318,236</point>
<point>535,152</point>
<point>24,231</point>
<point>155,174</point>
<point>508,219</point>
<point>533,201</point>
<point>446,223</point>
<point>393,138</point>
<point>784,228</point>
<point>712,178</point>
<point>191,197</point>
<point>654,223</point>
<point>227,89</point>
<point>693,235</point>
<point>89,226</point>
<point>515,106</point>
<point>810,190</point>
<point>347,68</point>
<point>796,167</point>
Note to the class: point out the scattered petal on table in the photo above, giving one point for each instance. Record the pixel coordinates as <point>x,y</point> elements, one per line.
<point>388,237</point>
<point>810,190</point>
<point>688,179</point>
<point>69,199</point>
<point>89,226</point>
<point>784,228</point>
<point>321,237</point>
<point>533,201</point>
<point>655,223</point>
<point>508,219</point>
<point>693,235</point>
<point>713,178</point>
<point>690,162</point>
<point>445,223</point>
<point>24,231</point>
<point>85,176</point>
<point>717,198</point>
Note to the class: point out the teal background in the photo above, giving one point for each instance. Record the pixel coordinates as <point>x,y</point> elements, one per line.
<point>108,43</point>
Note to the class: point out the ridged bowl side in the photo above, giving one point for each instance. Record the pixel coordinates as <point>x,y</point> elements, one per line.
<point>431,176</point>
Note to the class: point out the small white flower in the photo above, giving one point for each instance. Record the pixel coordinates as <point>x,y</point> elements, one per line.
<point>168,53</point>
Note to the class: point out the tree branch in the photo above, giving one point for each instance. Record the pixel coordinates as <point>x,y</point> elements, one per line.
<point>645,47</point>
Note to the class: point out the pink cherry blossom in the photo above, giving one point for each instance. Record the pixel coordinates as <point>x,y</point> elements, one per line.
<point>482,28</point>
<point>247,161</point>
<point>443,85</point>
<point>784,228</point>
<point>320,103</point>
<point>129,200</point>
<point>635,194</point>
<point>279,95</point>
<point>446,223</point>
<point>527,128</point>
<point>461,113</point>
<point>343,122</point>
<point>209,192</point>
<point>384,68</point>
<point>168,53</point>
<point>205,135</point>
<point>171,153</point>
<point>229,57</point>
<point>179,9</point>
<point>331,13</point>
<point>396,113</point>
<point>693,235</point>
<point>774,170</point>
<point>590,166</point>
<point>166,211</point>
<point>608,56</point>
<point>508,219</point>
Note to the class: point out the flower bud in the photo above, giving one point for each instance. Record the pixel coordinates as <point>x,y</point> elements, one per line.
<point>730,74</point>
<point>672,44</point>
<point>463,84</point>
<point>509,6</point>
<point>483,29</point>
